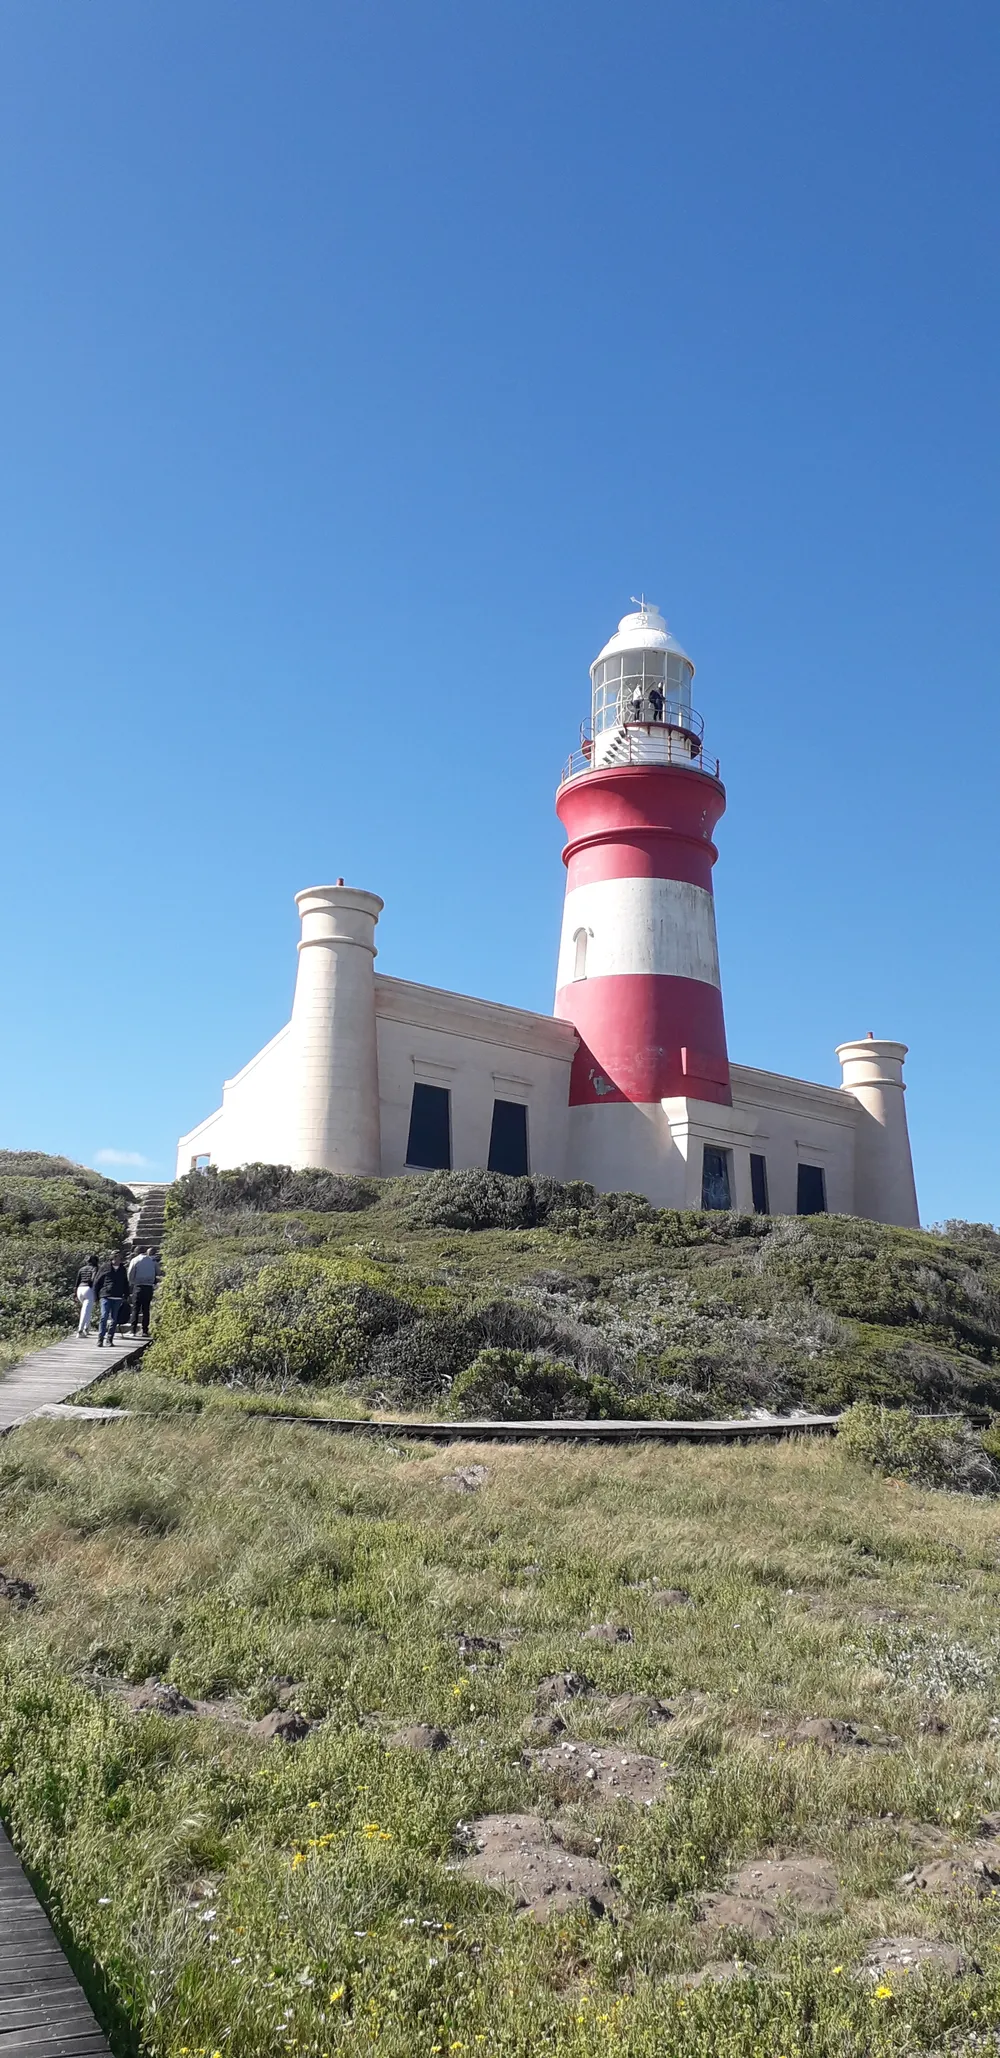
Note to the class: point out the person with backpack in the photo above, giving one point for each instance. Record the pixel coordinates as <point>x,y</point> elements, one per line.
<point>111,1287</point>
<point>86,1295</point>
<point>142,1274</point>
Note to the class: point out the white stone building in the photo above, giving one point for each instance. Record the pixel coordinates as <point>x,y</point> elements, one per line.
<point>629,1083</point>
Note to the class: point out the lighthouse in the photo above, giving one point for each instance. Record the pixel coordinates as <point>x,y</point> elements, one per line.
<point>628,1083</point>
<point>638,972</point>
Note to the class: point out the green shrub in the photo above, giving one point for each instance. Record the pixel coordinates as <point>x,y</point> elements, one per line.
<point>53,1214</point>
<point>518,1386</point>
<point>926,1450</point>
<point>494,1200</point>
<point>479,1200</point>
<point>293,1320</point>
<point>267,1189</point>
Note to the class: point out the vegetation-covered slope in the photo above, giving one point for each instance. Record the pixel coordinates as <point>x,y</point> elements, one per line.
<point>395,1289</point>
<point>52,1215</point>
<point>249,1896</point>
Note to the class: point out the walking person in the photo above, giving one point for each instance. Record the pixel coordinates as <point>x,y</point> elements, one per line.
<point>142,1277</point>
<point>656,703</point>
<point>86,1295</point>
<point>111,1287</point>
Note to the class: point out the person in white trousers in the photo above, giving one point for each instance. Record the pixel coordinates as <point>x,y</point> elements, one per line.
<point>85,1295</point>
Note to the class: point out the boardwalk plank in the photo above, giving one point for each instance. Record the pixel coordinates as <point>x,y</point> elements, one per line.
<point>44,2012</point>
<point>61,1369</point>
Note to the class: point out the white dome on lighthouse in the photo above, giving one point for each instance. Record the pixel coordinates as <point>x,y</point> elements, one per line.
<point>646,629</point>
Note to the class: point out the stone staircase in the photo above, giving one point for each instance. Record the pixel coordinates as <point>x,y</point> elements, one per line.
<point>147,1226</point>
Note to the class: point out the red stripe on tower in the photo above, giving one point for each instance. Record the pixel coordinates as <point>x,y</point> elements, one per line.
<point>638,961</point>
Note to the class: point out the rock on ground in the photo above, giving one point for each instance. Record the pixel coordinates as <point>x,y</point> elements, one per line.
<point>19,1592</point>
<point>603,1770</point>
<point>885,1956</point>
<point>669,1597</point>
<point>468,1479</point>
<point>522,1856</point>
<point>421,1736</point>
<point>608,1633</point>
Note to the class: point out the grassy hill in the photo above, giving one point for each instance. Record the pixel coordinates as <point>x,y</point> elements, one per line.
<point>52,1215</point>
<point>384,1294</point>
<point>300,1733</point>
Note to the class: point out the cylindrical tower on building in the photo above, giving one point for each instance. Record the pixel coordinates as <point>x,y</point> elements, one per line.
<point>884,1189</point>
<point>333,1060</point>
<point>638,961</point>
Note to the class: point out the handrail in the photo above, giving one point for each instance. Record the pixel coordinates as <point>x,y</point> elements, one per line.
<point>630,746</point>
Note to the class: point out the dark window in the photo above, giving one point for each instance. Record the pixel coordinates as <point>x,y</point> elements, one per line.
<point>509,1137</point>
<point>812,1190</point>
<point>429,1141</point>
<point>758,1183</point>
<point>715,1191</point>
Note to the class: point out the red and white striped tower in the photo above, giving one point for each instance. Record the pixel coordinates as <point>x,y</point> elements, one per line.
<point>638,960</point>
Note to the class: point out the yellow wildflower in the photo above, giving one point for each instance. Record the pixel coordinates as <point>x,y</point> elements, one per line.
<point>337,1994</point>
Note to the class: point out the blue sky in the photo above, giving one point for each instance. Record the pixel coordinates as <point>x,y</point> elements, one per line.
<point>359,361</point>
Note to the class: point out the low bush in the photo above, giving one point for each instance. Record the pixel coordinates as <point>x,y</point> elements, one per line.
<point>480,1200</point>
<point>519,1386</point>
<point>494,1200</point>
<point>292,1320</point>
<point>926,1450</point>
<point>267,1189</point>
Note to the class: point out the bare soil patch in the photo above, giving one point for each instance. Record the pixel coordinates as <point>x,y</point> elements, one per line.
<point>886,1956</point>
<point>829,1734</point>
<point>624,1711</point>
<point>523,1856</point>
<point>420,1736</point>
<point>602,1770</point>
<point>975,1872</point>
<point>561,1686</point>
<point>283,1725</point>
<point>766,1895</point>
<point>715,1973</point>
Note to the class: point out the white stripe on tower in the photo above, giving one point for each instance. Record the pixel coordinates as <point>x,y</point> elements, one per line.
<point>659,927</point>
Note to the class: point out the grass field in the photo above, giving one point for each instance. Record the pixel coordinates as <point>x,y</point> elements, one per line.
<point>248,1897</point>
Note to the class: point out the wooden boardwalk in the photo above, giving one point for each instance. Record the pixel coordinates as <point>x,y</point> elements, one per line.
<point>44,2012</point>
<point>52,1374</point>
<point>741,1429</point>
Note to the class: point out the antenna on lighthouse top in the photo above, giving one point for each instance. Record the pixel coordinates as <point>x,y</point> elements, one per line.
<point>639,600</point>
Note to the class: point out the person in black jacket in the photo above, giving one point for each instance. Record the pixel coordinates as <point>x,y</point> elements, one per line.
<point>111,1286</point>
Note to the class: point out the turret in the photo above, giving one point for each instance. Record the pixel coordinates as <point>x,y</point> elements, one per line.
<point>884,1189</point>
<point>333,1062</point>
